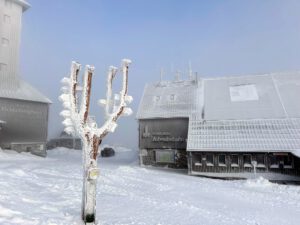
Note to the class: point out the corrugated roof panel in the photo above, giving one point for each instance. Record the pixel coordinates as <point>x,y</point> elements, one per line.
<point>244,135</point>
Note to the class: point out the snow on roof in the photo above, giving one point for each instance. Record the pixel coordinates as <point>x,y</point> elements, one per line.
<point>170,99</point>
<point>2,122</point>
<point>244,135</point>
<point>250,97</point>
<point>268,96</point>
<point>24,91</point>
<point>25,5</point>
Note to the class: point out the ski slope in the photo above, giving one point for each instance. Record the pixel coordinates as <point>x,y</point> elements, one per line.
<point>47,191</point>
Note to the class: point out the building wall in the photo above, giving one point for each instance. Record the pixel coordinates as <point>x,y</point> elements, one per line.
<point>10,29</point>
<point>163,133</point>
<point>25,122</point>
<point>241,162</point>
<point>163,141</point>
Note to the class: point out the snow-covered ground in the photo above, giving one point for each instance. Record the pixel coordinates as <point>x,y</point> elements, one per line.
<point>36,190</point>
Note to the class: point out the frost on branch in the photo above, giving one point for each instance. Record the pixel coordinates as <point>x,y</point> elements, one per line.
<point>78,121</point>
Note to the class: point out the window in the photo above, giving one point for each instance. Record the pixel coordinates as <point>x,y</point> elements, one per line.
<point>260,159</point>
<point>3,66</point>
<point>156,98</point>
<point>247,160</point>
<point>4,41</point>
<point>198,160</point>
<point>165,156</point>
<point>274,161</point>
<point>287,161</point>
<point>6,19</point>
<point>222,160</point>
<point>209,160</point>
<point>172,97</point>
<point>234,160</point>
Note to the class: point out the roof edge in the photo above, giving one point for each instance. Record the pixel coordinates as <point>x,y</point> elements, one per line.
<point>25,5</point>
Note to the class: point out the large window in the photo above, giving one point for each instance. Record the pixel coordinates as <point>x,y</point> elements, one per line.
<point>274,161</point>
<point>260,159</point>
<point>209,160</point>
<point>234,160</point>
<point>287,161</point>
<point>247,160</point>
<point>222,160</point>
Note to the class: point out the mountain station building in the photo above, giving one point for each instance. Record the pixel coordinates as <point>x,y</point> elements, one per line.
<point>232,127</point>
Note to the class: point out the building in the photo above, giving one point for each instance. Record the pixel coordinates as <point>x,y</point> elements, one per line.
<point>23,109</point>
<point>65,140</point>
<point>223,127</point>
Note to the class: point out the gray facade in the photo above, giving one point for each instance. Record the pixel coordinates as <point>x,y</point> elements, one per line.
<point>25,121</point>
<point>162,142</point>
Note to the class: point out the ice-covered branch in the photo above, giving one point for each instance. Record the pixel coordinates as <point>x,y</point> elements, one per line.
<point>78,120</point>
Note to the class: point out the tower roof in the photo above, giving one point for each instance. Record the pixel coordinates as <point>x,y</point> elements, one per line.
<point>25,5</point>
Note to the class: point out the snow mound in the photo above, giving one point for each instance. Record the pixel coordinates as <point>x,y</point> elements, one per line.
<point>258,182</point>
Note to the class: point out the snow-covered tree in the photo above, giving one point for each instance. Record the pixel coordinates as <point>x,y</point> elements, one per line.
<point>78,122</point>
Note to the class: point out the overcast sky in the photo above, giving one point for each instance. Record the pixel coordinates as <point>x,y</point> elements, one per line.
<point>218,37</point>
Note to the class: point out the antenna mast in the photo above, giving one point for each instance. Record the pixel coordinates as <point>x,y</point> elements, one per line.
<point>190,70</point>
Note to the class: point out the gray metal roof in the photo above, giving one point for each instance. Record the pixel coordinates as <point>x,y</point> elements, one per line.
<point>267,96</point>
<point>170,99</point>
<point>263,135</point>
<point>23,91</point>
<point>252,97</point>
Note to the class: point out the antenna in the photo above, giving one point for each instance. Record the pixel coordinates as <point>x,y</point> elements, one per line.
<point>177,76</point>
<point>190,70</point>
<point>161,74</point>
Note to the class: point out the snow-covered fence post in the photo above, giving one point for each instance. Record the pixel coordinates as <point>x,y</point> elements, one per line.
<point>77,121</point>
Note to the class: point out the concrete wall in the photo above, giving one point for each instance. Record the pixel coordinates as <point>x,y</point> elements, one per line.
<point>25,122</point>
